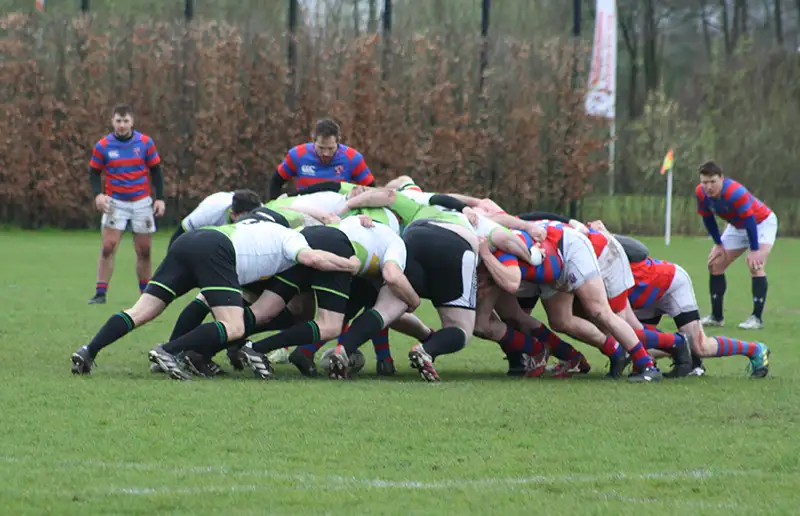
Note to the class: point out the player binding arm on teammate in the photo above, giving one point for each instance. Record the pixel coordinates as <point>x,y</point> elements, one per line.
<point>217,209</point>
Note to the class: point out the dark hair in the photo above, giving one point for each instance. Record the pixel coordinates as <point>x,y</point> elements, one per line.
<point>244,201</point>
<point>326,128</point>
<point>121,110</point>
<point>709,168</point>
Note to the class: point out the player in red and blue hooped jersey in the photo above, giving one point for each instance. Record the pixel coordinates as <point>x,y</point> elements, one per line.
<point>752,227</point>
<point>129,160</point>
<point>549,270</point>
<point>324,159</point>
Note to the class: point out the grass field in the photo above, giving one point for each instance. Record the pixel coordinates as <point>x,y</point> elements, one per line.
<point>124,441</point>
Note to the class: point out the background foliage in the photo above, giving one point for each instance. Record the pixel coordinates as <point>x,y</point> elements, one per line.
<point>710,78</point>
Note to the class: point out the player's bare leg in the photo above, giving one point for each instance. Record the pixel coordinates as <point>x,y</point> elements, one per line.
<point>604,321</point>
<point>142,243</point>
<point>718,263</point>
<point>411,325</point>
<point>759,288</point>
<point>706,346</point>
<point>105,263</point>
<point>147,308</point>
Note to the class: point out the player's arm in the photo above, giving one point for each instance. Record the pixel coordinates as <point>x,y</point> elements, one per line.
<point>741,200</point>
<point>285,171</point>
<point>378,198</point>
<point>97,163</point>
<point>544,215</point>
<point>509,243</point>
<point>323,216</point>
<point>361,174</point>
<point>506,274</point>
<point>536,231</point>
<point>325,261</point>
<point>398,283</point>
<point>153,162</point>
<point>708,216</point>
<point>472,202</point>
<point>393,264</point>
<point>448,201</point>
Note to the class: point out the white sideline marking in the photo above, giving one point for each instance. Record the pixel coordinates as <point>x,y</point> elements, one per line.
<point>339,482</point>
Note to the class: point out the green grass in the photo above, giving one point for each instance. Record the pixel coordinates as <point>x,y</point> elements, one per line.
<point>124,441</point>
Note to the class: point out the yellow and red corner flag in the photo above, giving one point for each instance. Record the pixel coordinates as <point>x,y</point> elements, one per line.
<point>667,165</point>
<point>40,5</point>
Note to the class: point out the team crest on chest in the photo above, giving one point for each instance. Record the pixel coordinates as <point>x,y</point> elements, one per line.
<point>137,150</point>
<point>339,170</point>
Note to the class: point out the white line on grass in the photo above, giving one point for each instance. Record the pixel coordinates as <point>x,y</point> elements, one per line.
<point>307,481</point>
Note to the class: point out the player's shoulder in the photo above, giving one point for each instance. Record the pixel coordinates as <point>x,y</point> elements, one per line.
<point>142,137</point>
<point>298,151</point>
<point>105,140</point>
<point>219,197</point>
<point>350,152</point>
<point>732,185</point>
<point>699,192</point>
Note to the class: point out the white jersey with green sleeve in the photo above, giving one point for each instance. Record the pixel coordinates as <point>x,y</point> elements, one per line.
<point>374,246</point>
<point>263,248</point>
<point>329,202</point>
<point>420,197</point>
<point>381,215</point>
<point>449,216</point>
<point>214,210</point>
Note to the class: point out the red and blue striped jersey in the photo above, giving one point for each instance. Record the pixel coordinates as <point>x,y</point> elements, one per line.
<point>598,240</point>
<point>347,165</point>
<point>651,278</point>
<point>550,268</point>
<point>126,164</point>
<point>734,205</point>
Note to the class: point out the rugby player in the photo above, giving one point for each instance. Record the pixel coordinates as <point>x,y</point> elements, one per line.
<point>323,159</point>
<point>130,160</point>
<point>752,227</point>
<point>217,261</point>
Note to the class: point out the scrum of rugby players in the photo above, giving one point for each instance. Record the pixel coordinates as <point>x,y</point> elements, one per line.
<point>383,249</point>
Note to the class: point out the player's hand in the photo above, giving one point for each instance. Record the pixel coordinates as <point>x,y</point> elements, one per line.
<point>355,265</point>
<point>536,231</point>
<point>596,225</point>
<point>489,206</point>
<point>103,203</point>
<point>755,260</point>
<point>472,217</point>
<point>159,208</point>
<point>366,221</point>
<point>716,253</point>
<point>483,246</point>
<point>329,218</point>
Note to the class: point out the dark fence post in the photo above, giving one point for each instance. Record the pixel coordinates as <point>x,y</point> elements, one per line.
<point>576,33</point>
<point>84,6</point>
<point>291,53</point>
<point>188,10</point>
<point>387,33</point>
<point>484,59</point>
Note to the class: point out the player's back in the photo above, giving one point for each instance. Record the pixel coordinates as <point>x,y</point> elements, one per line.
<point>214,210</point>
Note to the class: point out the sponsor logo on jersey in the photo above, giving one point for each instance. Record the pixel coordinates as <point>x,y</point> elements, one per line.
<point>308,170</point>
<point>113,154</point>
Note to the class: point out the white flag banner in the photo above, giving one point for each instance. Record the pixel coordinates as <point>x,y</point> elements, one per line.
<point>601,98</point>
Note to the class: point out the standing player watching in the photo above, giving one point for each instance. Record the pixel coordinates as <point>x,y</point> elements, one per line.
<point>752,226</point>
<point>126,156</point>
<point>324,159</point>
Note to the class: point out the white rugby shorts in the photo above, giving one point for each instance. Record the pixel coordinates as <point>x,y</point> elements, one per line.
<point>734,239</point>
<point>138,213</point>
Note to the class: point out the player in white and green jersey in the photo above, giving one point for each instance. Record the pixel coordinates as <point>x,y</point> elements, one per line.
<point>217,261</point>
<point>382,257</point>
<point>218,209</point>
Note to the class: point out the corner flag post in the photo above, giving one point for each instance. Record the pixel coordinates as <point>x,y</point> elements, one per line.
<point>667,167</point>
